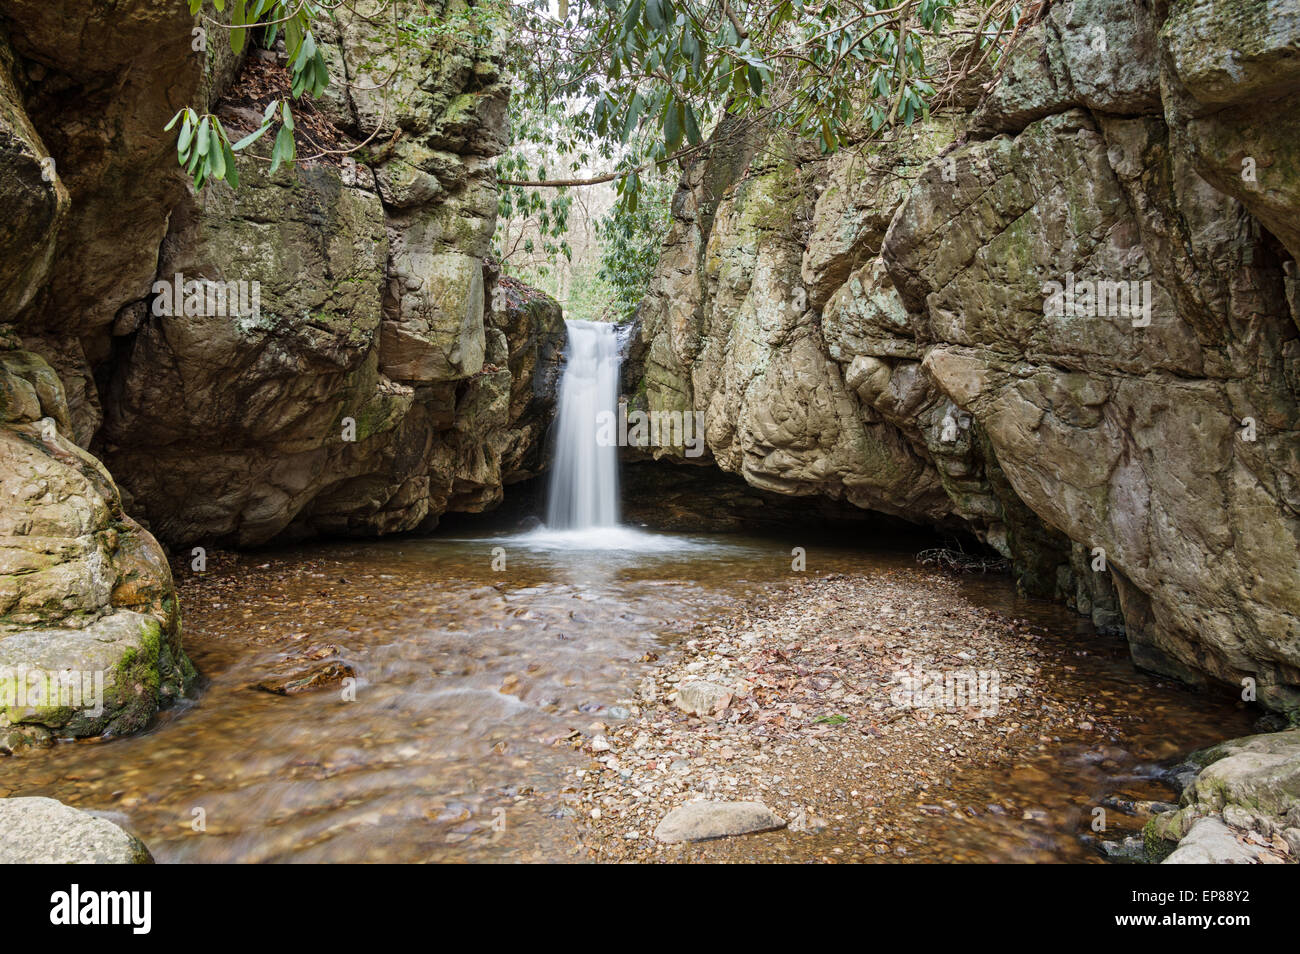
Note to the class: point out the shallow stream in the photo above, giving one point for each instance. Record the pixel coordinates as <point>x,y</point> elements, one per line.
<point>476,655</point>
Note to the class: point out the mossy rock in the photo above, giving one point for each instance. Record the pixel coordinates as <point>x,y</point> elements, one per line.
<point>111,677</point>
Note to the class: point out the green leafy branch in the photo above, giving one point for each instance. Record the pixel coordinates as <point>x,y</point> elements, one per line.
<point>203,146</point>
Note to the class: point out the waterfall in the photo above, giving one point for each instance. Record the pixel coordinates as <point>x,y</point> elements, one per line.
<point>584,477</point>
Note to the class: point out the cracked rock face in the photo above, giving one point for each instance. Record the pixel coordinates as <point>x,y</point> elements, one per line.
<point>89,626</point>
<point>362,371</point>
<point>379,378</point>
<point>386,379</point>
<point>883,327</point>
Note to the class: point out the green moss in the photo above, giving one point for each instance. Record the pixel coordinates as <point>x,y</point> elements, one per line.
<point>1156,840</point>
<point>136,682</point>
<point>1203,757</point>
<point>38,715</point>
<point>768,200</point>
<point>461,108</point>
<point>187,673</point>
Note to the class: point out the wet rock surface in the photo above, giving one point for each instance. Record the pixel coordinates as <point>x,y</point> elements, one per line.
<point>298,676</point>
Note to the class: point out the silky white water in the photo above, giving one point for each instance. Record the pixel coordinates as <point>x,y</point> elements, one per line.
<point>584,477</point>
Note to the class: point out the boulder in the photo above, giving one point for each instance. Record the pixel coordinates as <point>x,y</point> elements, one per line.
<point>701,821</point>
<point>1260,773</point>
<point>1211,842</point>
<point>111,676</point>
<point>90,638</point>
<point>699,697</point>
<point>1251,784</point>
<point>45,831</point>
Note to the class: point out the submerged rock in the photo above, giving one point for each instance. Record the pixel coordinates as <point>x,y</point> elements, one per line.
<point>700,821</point>
<point>316,677</point>
<point>45,831</point>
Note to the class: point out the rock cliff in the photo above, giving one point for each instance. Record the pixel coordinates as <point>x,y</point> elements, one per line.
<point>358,370</point>
<point>1062,314</point>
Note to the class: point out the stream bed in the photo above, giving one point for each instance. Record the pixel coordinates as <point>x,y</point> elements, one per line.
<point>477,658</point>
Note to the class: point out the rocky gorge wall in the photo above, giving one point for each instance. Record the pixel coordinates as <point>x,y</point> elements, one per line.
<point>878,327</point>
<point>384,377</point>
